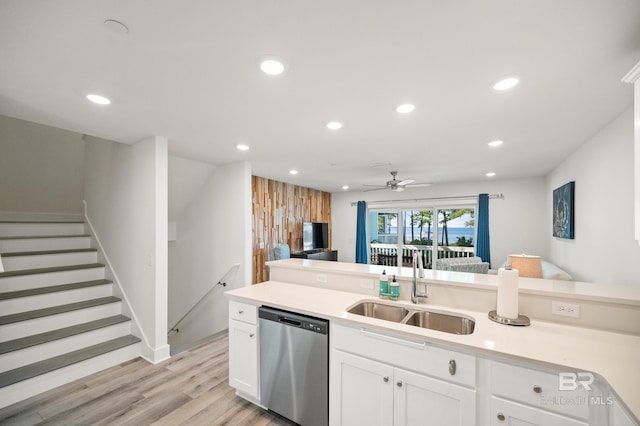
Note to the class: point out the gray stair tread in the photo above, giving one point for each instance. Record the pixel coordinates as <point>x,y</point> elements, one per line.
<point>39,313</point>
<point>41,221</point>
<point>49,336</point>
<point>32,370</point>
<point>52,289</point>
<point>37,237</point>
<point>43,252</point>
<point>52,269</point>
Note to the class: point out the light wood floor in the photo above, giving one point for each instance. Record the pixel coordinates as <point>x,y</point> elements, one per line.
<point>191,388</point>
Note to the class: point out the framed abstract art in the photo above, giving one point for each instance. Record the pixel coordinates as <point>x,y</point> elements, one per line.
<point>563,211</point>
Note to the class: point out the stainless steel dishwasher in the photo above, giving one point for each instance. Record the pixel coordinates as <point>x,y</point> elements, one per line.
<point>294,366</point>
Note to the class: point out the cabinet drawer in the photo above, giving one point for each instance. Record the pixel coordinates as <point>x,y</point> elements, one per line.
<point>539,389</point>
<point>411,354</point>
<point>510,413</point>
<point>244,312</point>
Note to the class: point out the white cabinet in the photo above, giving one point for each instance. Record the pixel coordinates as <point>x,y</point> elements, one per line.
<point>377,379</point>
<point>509,413</point>
<point>423,400</point>
<point>361,391</point>
<point>244,350</point>
<point>521,395</point>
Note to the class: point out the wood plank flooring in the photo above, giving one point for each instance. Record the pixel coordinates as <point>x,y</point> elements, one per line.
<point>191,388</point>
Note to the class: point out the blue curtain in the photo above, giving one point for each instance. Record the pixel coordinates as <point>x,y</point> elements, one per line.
<point>361,234</point>
<point>482,245</point>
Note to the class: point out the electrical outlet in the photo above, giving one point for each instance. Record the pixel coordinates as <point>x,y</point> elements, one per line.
<point>565,309</point>
<point>321,278</point>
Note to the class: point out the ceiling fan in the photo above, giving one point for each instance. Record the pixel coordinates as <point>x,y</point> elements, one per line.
<point>397,185</point>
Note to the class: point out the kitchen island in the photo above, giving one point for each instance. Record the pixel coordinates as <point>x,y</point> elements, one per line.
<point>490,355</point>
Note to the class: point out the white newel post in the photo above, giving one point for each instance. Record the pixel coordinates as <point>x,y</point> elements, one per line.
<point>633,77</point>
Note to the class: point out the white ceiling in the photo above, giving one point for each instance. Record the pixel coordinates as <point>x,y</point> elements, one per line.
<point>189,70</point>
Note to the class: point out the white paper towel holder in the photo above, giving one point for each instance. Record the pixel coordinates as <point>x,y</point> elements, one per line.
<point>521,321</point>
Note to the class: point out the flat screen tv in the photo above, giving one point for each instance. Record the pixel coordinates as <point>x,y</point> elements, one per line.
<point>315,235</point>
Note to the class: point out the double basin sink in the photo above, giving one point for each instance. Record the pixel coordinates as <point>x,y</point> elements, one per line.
<point>446,322</point>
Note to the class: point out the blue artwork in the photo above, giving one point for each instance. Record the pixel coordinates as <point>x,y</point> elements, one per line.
<point>563,214</point>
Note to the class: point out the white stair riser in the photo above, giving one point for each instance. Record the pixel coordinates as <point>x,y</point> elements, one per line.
<point>17,229</point>
<point>37,244</point>
<point>19,263</point>
<point>28,388</point>
<point>36,353</point>
<point>23,282</point>
<point>40,301</point>
<point>53,322</point>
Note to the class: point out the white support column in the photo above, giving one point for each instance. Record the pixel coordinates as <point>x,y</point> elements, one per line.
<point>633,77</point>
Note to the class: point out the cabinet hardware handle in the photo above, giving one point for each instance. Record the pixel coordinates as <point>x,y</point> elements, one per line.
<point>399,384</point>
<point>251,335</point>
<point>537,389</point>
<point>452,367</point>
<point>501,417</point>
<point>241,312</point>
<point>386,379</point>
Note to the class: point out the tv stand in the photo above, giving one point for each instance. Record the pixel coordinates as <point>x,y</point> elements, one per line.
<point>316,255</point>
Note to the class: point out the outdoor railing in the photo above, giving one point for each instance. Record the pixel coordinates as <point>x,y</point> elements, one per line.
<point>387,254</point>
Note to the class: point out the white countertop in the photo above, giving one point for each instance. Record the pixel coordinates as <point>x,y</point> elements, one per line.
<point>613,356</point>
<point>618,294</point>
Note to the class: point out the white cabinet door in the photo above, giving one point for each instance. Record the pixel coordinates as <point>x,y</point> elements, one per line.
<point>425,401</point>
<point>243,357</point>
<point>361,391</point>
<point>508,413</point>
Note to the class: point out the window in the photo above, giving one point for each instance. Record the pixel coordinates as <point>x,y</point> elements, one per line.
<point>436,232</point>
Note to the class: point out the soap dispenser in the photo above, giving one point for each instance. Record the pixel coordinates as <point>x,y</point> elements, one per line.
<point>384,286</point>
<point>394,289</point>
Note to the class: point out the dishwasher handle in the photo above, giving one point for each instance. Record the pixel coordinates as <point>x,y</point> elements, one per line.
<point>289,321</point>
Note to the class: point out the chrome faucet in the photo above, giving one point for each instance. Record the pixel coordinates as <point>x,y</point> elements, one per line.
<point>418,271</point>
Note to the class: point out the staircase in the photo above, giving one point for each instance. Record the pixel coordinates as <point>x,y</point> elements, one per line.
<point>59,320</point>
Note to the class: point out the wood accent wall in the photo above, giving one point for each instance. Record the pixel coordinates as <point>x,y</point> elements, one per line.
<point>278,210</point>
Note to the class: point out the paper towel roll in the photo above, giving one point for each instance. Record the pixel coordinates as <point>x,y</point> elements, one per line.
<point>507,293</point>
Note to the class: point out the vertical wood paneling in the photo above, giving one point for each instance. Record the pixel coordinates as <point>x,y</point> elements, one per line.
<point>278,211</point>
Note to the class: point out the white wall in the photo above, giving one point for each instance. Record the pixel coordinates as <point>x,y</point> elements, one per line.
<point>126,195</point>
<point>214,233</point>
<point>515,222</point>
<point>604,249</point>
<point>41,169</point>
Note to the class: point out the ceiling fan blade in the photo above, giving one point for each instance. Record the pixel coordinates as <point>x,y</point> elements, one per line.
<point>376,186</point>
<point>418,185</point>
<point>406,182</point>
<point>374,189</point>
<point>398,189</point>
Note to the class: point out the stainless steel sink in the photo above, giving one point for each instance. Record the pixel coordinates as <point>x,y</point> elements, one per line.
<point>453,324</point>
<point>445,322</point>
<point>380,311</point>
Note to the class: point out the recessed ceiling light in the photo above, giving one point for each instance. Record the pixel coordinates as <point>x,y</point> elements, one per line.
<point>405,108</point>
<point>506,83</point>
<point>495,143</point>
<point>334,125</point>
<point>98,99</point>
<point>242,147</point>
<point>293,172</point>
<point>491,174</point>
<point>345,187</point>
<point>272,66</point>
